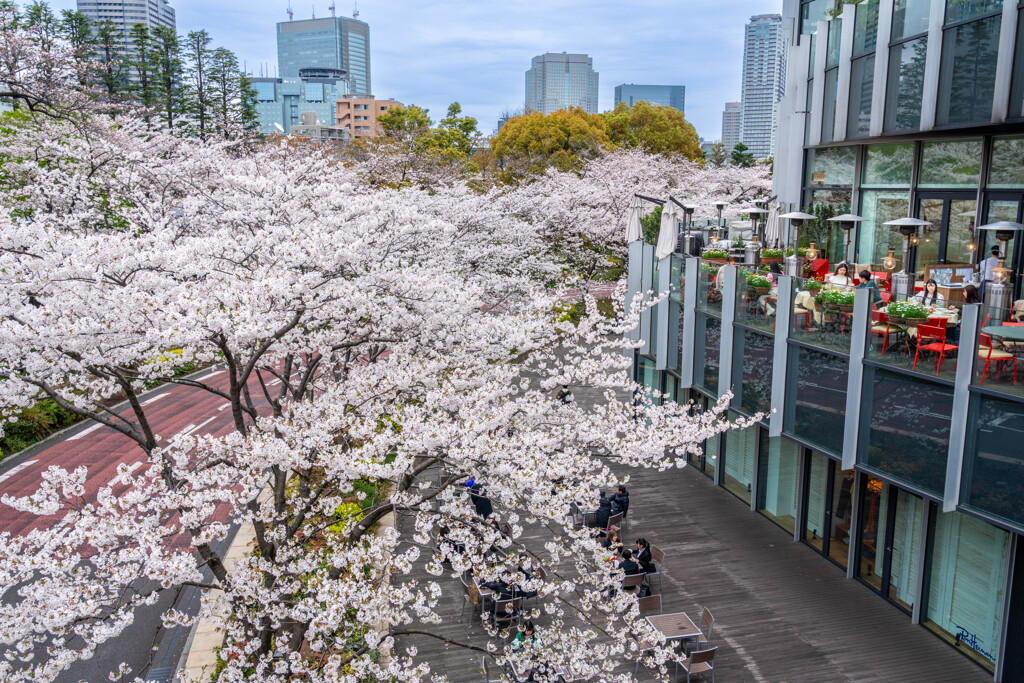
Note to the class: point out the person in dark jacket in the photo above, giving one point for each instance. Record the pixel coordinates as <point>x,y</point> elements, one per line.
<point>627,565</point>
<point>643,556</point>
<point>604,511</point>
<point>620,501</point>
<point>481,502</point>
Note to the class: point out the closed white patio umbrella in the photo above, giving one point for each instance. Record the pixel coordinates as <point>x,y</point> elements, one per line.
<point>634,230</point>
<point>667,236</point>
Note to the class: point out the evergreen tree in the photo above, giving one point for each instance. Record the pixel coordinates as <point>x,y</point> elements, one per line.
<point>718,157</point>
<point>741,157</point>
<point>198,92</point>
<point>42,24</point>
<point>165,57</point>
<point>77,30</point>
<point>113,67</point>
<point>247,113</point>
<point>144,90</point>
<point>232,97</point>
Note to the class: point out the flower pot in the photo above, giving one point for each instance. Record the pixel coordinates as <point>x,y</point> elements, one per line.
<point>771,259</point>
<point>716,260</point>
<point>914,322</point>
<point>894,319</point>
<point>758,291</point>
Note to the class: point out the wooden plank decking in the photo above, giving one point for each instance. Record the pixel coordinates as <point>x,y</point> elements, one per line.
<point>783,612</point>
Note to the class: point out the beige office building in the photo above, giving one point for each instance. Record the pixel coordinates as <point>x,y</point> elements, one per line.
<point>359,115</point>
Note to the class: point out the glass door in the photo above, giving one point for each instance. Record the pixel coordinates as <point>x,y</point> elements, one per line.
<point>950,239</point>
<point>829,508</point>
<point>889,543</point>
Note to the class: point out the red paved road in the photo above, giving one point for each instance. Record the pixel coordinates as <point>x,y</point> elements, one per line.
<point>171,410</point>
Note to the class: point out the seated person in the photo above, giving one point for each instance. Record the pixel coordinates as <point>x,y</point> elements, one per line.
<point>628,565</point>
<point>612,542</point>
<point>620,501</point>
<point>604,511</point>
<point>841,277</point>
<point>867,283</point>
<point>643,556</point>
<point>930,295</point>
<point>527,635</point>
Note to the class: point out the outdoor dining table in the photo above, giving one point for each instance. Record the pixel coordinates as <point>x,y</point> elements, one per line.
<point>675,626</point>
<point>1011,332</point>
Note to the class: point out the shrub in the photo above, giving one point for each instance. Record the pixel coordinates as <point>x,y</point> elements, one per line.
<point>716,253</point>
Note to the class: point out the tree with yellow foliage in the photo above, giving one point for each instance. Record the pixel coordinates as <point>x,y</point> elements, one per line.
<point>564,139</point>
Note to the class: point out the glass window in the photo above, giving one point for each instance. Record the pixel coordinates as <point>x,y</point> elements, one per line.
<point>813,12</point>
<point>828,112</point>
<point>995,466</point>
<point>873,532</point>
<point>830,166</point>
<point>953,164</point>
<point>842,516</point>
<point>817,488</point>
<point>647,375</point>
<point>816,410</point>
<point>876,238</point>
<point>909,18</point>
<point>264,92</point>
<point>709,333</point>
<point>888,165</point>
<point>906,535</point>
<point>962,10</point>
<point>314,92</point>
<point>777,480</point>
<point>909,432</point>
<point>757,354</point>
<point>738,468</point>
<point>835,33</point>
<point>968,72</point>
<point>711,455</point>
<point>862,81</point>
<point>968,561</point>
<point>1006,168</point>
<point>865,29</point>
<point>906,85</point>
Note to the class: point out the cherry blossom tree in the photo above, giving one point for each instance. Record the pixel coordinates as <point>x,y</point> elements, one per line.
<point>398,338</point>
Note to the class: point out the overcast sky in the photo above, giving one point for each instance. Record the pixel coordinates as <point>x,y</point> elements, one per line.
<point>477,52</point>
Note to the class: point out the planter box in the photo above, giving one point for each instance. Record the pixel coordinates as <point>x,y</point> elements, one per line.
<point>758,291</point>
<point>771,259</point>
<point>842,308</point>
<point>722,261</point>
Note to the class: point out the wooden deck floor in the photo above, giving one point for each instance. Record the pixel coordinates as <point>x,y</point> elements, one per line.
<point>783,612</point>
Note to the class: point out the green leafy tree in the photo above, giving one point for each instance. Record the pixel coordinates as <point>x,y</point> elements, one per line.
<point>197,95</point>
<point>405,123</point>
<point>651,224</point>
<point>247,112</point>
<point>454,134</point>
<point>654,128</point>
<point>719,157</point>
<point>563,139</point>
<point>42,24</point>
<point>741,157</point>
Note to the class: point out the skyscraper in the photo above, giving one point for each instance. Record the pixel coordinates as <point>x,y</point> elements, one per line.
<point>332,42</point>
<point>764,83</point>
<point>666,95</point>
<point>560,80</point>
<point>732,124</point>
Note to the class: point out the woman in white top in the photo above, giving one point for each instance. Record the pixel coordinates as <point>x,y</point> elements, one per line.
<point>930,295</point>
<point>841,276</point>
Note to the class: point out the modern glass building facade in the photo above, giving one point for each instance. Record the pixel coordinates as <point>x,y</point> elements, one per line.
<point>908,480</point>
<point>332,42</point>
<point>666,95</point>
<point>764,83</point>
<point>560,80</point>
<point>907,107</point>
<point>732,124</point>
<point>282,101</point>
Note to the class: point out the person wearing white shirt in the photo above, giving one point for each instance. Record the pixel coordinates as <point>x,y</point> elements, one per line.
<point>841,276</point>
<point>930,295</point>
<point>985,269</point>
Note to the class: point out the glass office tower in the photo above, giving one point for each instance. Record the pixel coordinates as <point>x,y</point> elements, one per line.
<point>666,95</point>
<point>560,80</point>
<point>332,42</point>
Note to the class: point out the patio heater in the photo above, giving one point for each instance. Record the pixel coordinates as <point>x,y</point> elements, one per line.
<point>688,239</point>
<point>752,252</point>
<point>847,222</point>
<point>793,265</point>
<point>998,292</point>
<point>903,281</point>
<point>719,228</point>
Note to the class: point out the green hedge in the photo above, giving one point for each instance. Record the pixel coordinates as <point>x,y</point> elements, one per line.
<point>35,424</point>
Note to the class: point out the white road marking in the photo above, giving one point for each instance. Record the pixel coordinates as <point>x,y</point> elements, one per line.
<point>154,399</point>
<point>226,405</point>
<point>82,433</point>
<point>14,470</point>
<point>192,428</point>
<point>274,383</point>
<point>212,374</point>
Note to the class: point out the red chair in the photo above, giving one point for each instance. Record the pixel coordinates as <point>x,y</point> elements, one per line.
<point>819,268</point>
<point>880,326</point>
<point>806,315</point>
<point>884,278</point>
<point>988,354</point>
<point>936,336</point>
<point>886,297</point>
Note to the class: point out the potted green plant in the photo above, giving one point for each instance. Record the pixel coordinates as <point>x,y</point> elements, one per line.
<point>716,255</point>
<point>758,285</point>
<point>771,256</point>
<point>907,313</point>
<point>709,269</point>
<point>738,243</point>
<point>837,300</point>
<point>813,285</point>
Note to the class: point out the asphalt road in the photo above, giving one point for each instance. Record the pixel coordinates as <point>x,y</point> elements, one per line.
<point>172,410</point>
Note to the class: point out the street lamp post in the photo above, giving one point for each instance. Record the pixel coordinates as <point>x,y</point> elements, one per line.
<point>793,264</point>
<point>903,281</point>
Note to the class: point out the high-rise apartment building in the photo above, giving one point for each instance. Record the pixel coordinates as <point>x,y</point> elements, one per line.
<point>666,95</point>
<point>732,124</point>
<point>358,115</point>
<point>764,83</point>
<point>127,13</point>
<point>332,42</point>
<point>561,80</point>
